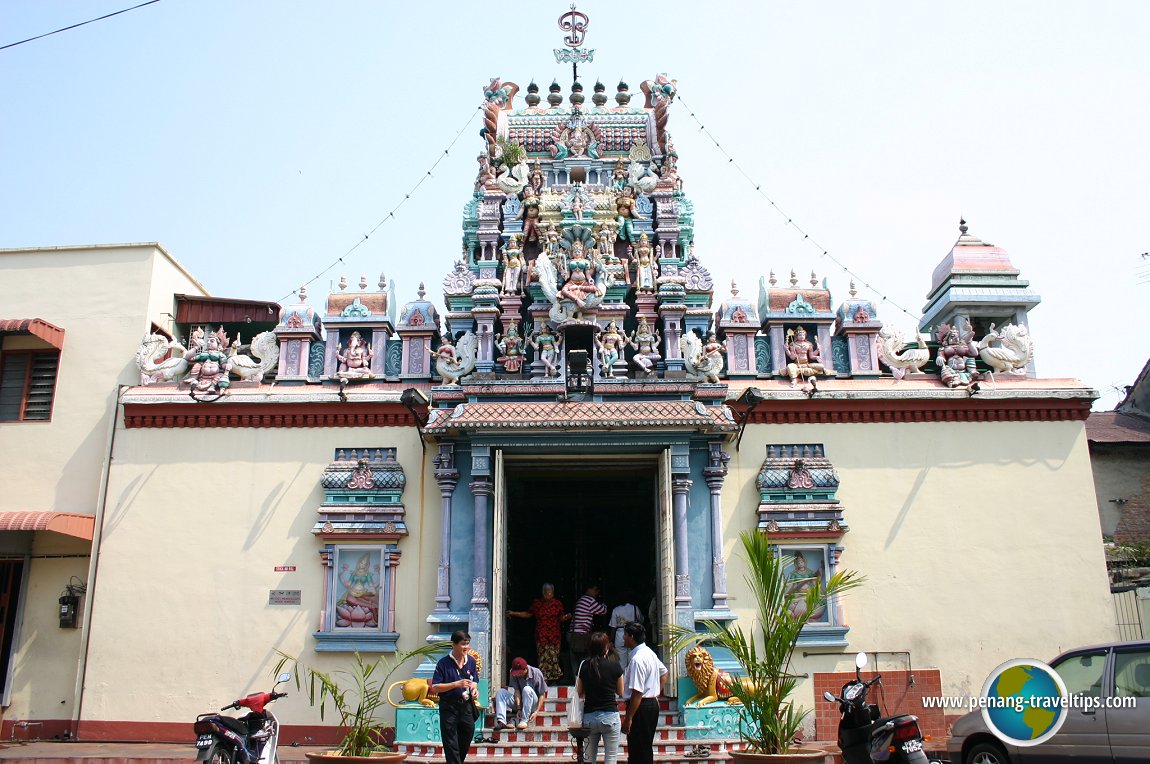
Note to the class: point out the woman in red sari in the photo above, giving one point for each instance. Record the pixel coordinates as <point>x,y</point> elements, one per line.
<point>548,613</point>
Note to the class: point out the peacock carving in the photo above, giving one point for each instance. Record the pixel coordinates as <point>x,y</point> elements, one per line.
<point>265,346</point>
<point>1013,351</point>
<point>152,370</point>
<point>454,362</point>
<point>899,356</point>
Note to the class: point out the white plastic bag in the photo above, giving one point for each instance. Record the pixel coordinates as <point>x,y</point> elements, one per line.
<point>574,710</point>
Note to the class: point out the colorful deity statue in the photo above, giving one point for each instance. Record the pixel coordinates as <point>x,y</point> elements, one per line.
<point>486,173</point>
<point>579,272</point>
<point>359,605</point>
<point>956,355</point>
<point>610,341</point>
<point>619,177</point>
<point>646,266</point>
<point>208,357</point>
<point>546,344</point>
<point>355,362</point>
<point>535,179</point>
<point>646,346</point>
<point>803,356</point>
<point>529,214</point>
<point>511,347</point>
<point>626,213</point>
<point>513,266</point>
<point>550,248</point>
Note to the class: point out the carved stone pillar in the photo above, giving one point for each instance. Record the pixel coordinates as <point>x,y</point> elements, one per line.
<point>447,477</point>
<point>716,473</point>
<point>680,488</point>
<point>480,616</point>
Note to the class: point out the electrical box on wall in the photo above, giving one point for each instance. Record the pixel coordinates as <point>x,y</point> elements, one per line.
<point>69,611</point>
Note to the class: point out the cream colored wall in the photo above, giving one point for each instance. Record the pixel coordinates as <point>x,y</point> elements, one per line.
<point>104,298</point>
<point>980,542</point>
<point>197,520</point>
<point>44,669</point>
<point>100,297</point>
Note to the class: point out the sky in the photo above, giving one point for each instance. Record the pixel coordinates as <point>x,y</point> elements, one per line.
<point>260,141</point>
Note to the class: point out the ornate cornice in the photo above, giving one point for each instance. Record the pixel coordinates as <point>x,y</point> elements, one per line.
<point>268,415</point>
<point>902,410</point>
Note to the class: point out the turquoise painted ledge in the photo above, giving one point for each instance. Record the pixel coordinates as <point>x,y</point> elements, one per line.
<point>419,724</point>
<point>716,721</point>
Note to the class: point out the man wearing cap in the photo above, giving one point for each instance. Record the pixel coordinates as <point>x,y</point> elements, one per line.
<point>525,693</point>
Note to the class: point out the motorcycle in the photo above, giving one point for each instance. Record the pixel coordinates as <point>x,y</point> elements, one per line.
<point>864,737</point>
<point>249,739</point>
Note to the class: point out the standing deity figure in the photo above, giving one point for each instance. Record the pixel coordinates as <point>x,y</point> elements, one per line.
<point>511,346</point>
<point>803,356</point>
<point>355,362</point>
<point>610,341</point>
<point>486,173</point>
<point>529,214</point>
<point>209,359</point>
<point>626,213</point>
<point>549,248</point>
<point>579,272</point>
<point>513,266</point>
<point>546,345</point>
<point>619,177</point>
<point>535,180</point>
<point>646,346</point>
<point>956,355</point>
<point>646,266</point>
<point>359,605</point>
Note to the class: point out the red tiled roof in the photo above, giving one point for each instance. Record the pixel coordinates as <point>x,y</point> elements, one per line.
<point>66,523</point>
<point>1113,427</point>
<point>37,327</point>
<point>581,415</point>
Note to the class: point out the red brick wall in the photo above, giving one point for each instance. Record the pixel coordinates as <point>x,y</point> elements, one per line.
<point>895,695</point>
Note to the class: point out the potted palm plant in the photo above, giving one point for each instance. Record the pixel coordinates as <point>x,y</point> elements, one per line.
<point>357,692</point>
<point>769,721</point>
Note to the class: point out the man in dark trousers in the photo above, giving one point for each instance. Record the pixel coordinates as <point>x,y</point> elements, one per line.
<point>456,682</point>
<point>642,686</point>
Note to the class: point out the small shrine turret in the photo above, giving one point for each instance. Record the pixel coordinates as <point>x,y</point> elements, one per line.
<point>738,320</point>
<point>855,348</point>
<point>798,323</point>
<point>300,333</point>
<point>358,326</point>
<point>977,283</point>
<point>418,327</point>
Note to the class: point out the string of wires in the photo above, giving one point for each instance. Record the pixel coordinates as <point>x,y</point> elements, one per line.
<point>823,252</point>
<point>73,26</point>
<point>390,215</point>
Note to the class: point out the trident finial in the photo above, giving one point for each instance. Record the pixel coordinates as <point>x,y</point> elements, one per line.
<point>575,24</point>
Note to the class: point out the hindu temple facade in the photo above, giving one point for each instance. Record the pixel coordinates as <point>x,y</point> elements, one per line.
<point>367,473</point>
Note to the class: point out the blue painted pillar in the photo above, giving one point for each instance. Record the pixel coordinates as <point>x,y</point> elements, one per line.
<point>715,473</point>
<point>447,477</point>
<point>680,496</point>
<point>482,490</point>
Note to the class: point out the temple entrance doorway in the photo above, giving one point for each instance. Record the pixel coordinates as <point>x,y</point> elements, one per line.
<point>572,525</point>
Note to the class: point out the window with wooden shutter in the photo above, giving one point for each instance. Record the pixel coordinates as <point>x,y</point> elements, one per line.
<point>27,385</point>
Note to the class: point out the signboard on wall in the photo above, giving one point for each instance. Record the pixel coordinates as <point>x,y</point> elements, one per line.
<point>285,597</point>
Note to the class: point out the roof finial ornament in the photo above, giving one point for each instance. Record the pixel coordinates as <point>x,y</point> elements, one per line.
<point>772,279</point>
<point>382,282</point>
<point>734,289</point>
<point>814,280</point>
<point>422,291</point>
<point>575,24</point>
<point>962,227</point>
<point>853,290</point>
<point>342,281</point>
<point>362,281</point>
<point>794,278</point>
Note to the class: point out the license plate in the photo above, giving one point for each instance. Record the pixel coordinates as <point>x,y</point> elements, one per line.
<point>204,741</point>
<point>911,746</point>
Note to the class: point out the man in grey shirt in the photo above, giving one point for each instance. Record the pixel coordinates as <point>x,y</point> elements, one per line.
<point>525,693</point>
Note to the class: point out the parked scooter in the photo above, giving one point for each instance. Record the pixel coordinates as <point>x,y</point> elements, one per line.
<point>863,736</point>
<point>249,739</point>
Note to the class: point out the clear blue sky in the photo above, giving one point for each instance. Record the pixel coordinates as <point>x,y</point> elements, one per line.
<point>258,141</point>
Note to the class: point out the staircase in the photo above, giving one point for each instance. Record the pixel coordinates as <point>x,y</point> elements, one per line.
<point>549,741</point>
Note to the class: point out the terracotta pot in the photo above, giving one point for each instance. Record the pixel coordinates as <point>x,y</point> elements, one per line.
<point>331,757</point>
<point>795,756</point>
